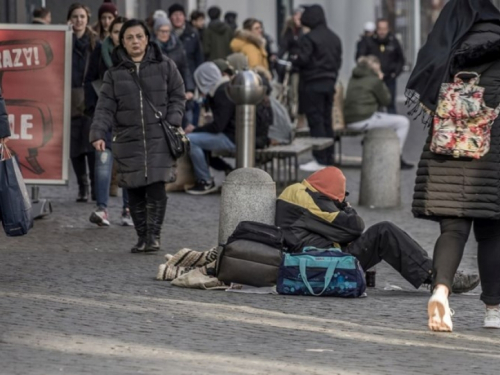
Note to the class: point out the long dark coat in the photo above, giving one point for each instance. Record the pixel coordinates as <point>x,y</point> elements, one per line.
<point>139,145</point>
<point>466,188</point>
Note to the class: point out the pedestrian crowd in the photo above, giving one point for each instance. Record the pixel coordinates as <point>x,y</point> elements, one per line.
<point>127,75</point>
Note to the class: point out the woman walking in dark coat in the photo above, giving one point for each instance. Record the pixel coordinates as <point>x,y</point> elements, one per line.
<point>81,152</point>
<point>139,145</point>
<point>461,193</point>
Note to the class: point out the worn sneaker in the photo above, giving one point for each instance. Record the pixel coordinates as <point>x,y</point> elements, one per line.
<point>202,187</point>
<point>463,283</point>
<point>312,166</point>
<point>100,217</point>
<point>492,318</point>
<point>127,219</point>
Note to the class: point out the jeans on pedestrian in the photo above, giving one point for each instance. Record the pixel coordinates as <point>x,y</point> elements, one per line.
<point>103,171</point>
<point>400,124</point>
<point>450,247</point>
<point>202,141</point>
<point>386,241</point>
<point>392,86</point>
<point>318,104</point>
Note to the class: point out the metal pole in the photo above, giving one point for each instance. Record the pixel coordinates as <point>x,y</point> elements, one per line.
<point>245,135</point>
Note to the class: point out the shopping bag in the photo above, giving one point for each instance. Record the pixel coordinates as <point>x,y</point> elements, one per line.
<point>15,204</point>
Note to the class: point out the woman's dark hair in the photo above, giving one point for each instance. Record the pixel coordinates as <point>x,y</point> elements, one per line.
<point>195,14</point>
<point>41,12</point>
<point>249,22</point>
<point>214,13</point>
<point>132,23</point>
<point>76,6</point>
<point>117,21</point>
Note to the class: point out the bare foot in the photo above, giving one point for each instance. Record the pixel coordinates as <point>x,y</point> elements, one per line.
<point>439,311</point>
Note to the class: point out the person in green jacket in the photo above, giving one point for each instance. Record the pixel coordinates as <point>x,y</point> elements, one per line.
<point>217,37</point>
<point>366,94</point>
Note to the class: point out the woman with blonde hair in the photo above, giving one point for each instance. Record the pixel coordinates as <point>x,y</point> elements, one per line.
<point>250,41</point>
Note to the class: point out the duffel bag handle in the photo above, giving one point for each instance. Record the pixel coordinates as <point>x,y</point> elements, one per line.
<point>328,276</point>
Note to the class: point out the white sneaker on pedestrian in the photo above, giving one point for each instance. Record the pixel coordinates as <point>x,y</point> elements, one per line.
<point>127,219</point>
<point>492,318</point>
<point>312,166</point>
<point>100,217</point>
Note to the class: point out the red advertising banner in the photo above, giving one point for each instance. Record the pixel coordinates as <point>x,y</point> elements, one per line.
<point>35,76</point>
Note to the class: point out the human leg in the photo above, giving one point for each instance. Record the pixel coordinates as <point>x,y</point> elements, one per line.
<point>156,206</point>
<point>137,204</point>
<point>102,177</point>
<point>90,157</point>
<point>385,241</point>
<point>80,170</point>
<point>391,85</point>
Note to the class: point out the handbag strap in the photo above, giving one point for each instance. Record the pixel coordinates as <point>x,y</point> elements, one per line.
<point>328,276</point>
<point>5,153</point>
<point>138,81</point>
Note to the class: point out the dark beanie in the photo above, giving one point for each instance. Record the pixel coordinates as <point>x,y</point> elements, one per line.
<point>108,7</point>
<point>176,8</point>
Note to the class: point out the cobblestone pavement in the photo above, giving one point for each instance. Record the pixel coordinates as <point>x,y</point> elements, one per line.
<point>73,300</point>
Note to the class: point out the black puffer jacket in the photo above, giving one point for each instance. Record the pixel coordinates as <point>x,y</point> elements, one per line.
<point>175,51</point>
<point>4,120</point>
<point>466,188</point>
<point>139,146</point>
<point>389,52</point>
<point>320,50</point>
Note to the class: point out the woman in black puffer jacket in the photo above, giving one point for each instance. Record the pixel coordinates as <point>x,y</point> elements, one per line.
<point>461,193</point>
<point>139,145</point>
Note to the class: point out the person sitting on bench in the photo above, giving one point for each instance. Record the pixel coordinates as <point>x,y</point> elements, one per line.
<point>315,213</point>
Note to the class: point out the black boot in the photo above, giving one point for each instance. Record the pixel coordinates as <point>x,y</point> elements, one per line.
<point>139,217</point>
<point>83,192</point>
<point>156,214</point>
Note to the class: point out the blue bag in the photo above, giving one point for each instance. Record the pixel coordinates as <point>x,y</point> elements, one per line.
<point>321,272</point>
<point>15,203</point>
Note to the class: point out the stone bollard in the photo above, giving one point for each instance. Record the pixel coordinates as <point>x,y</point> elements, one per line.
<point>380,172</point>
<point>247,194</point>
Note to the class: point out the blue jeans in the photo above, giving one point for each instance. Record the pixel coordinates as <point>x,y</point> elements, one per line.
<point>210,142</point>
<point>103,171</point>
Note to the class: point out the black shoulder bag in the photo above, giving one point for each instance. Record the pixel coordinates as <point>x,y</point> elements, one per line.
<point>177,141</point>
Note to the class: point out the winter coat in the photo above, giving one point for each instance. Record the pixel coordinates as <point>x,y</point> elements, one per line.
<point>290,40</point>
<point>224,112</point>
<point>252,46</point>
<point>309,218</point>
<point>466,188</point>
<point>264,120</point>
<point>389,52</point>
<point>361,46</point>
<point>175,51</point>
<point>4,120</point>
<point>366,93</point>
<point>320,50</point>
<point>139,145</point>
<point>216,40</point>
<point>192,46</point>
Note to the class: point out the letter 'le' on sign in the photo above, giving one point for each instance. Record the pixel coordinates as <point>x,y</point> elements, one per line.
<point>19,55</point>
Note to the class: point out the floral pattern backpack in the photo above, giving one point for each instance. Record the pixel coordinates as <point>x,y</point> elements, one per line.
<point>462,122</point>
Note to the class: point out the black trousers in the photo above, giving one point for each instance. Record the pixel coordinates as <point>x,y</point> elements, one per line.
<point>155,192</point>
<point>385,241</point>
<point>80,164</point>
<point>317,100</point>
<point>391,85</point>
<point>450,249</point>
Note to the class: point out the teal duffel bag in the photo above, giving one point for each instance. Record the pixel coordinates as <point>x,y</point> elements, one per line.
<point>321,272</point>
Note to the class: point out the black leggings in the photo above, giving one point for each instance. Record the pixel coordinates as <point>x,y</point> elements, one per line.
<point>450,249</point>
<point>154,192</point>
<point>80,164</point>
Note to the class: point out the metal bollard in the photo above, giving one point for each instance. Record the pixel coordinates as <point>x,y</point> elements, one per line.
<point>245,90</point>
<point>380,172</point>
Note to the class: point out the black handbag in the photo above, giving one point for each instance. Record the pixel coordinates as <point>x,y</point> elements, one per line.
<point>177,141</point>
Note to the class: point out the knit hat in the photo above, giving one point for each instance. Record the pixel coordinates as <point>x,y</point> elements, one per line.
<point>108,7</point>
<point>238,61</point>
<point>160,21</point>
<point>224,66</point>
<point>329,181</point>
<point>176,8</point>
<point>370,27</point>
<point>160,13</point>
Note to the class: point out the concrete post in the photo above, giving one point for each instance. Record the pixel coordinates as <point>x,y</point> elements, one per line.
<point>380,172</point>
<point>247,194</point>
<point>245,90</point>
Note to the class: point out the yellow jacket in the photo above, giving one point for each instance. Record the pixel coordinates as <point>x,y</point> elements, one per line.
<point>253,47</point>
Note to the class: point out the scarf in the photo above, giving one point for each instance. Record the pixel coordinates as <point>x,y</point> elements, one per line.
<point>107,48</point>
<point>435,58</point>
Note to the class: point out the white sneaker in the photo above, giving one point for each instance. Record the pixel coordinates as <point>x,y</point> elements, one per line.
<point>312,166</point>
<point>492,318</point>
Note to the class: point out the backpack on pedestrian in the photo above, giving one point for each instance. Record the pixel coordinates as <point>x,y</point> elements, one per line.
<point>462,123</point>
